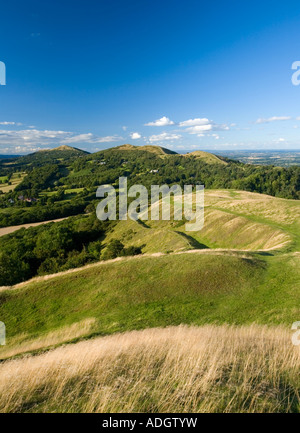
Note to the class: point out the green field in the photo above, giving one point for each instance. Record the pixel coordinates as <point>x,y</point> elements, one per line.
<point>142,292</point>
<point>15,180</point>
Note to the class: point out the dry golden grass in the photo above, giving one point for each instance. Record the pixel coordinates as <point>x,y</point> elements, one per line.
<point>226,229</point>
<point>273,209</point>
<point>24,343</point>
<point>232,219</point>
<point>176,369</point>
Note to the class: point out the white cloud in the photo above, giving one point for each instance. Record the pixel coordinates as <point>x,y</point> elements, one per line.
<point>194,122</point>
<point>272,119</point>
<point>163,121</point>
<point>28,140</point>
<point>199,129</point>
<point>135,135</point>
<point>31,135</point>
<point>164,137</point>
<point>106,139</point>
<point>200,126</point>
<point>90,138</point>
<point>78,138</point>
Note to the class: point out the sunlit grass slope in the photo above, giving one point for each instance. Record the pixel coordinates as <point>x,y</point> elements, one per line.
<point>232,219</point>
<point>176,369</point>
<point>209,158</point>
<point>149,291</point>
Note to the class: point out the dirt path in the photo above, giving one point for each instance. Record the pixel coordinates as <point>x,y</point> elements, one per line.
<point>11,229</point>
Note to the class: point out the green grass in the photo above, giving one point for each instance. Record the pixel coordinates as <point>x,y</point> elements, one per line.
<point>143,292</point>
<point>209,158</point>
<point>15,180</point>
<point>233,219</point>
<point>210,287</point>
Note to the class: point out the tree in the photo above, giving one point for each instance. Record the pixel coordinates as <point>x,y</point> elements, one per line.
<point>113,250</point>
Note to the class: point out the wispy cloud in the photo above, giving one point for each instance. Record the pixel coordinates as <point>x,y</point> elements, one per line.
<point>10,123</point>
<point>272,119</point>
<point>29,140</point>
<point>194,122</point>
<point>90,138</point>
<point>163,121</point>
<point>198,129</point>
<point>164,137</point>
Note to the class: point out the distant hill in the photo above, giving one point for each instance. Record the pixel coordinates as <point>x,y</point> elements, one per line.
<point>49,156</point>
<point>157,150</point>
<point>77,169</point>
<point>209,158</point>
<point>9,156</point>
<point>64,147</point>
<point>58,152</point>
<point>206,157</point>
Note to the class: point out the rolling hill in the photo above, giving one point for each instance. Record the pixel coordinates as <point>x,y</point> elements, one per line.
<point>198,322</point>
<point>233,219</point>
<point>46,156</point>
<point>156,150</point>
<point>211,276</point>
<point>209,158</point>
<point>196,287</point>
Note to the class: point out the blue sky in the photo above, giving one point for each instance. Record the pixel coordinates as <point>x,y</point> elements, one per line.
<point>180,74</point>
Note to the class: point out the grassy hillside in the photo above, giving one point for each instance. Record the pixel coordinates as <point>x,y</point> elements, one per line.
<point>190,283</point>
<point>233,219</point>
<point>178,369</point>
<point>14,181</point>
<point>47,156</point>
<point>156,150</point>
<point>148,291</point>
<point>241,268</point>
<point>209,158</point>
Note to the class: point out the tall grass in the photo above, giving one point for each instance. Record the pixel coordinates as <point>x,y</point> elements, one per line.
<point>176,369</point>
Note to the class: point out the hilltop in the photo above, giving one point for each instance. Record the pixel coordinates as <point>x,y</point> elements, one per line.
<point>157,150</point>
<point>57,152</point>
<point>209,158</point>
<point>63,148</point>
<point>45,156</point>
